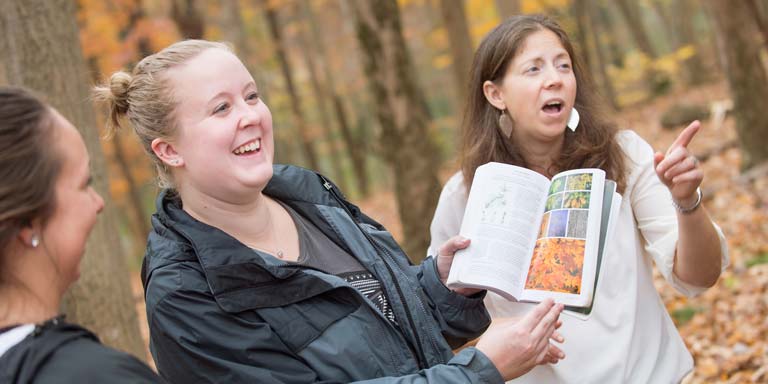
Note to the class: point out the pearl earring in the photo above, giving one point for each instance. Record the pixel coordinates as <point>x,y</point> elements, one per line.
<point>573,120</point>
<point>35,241</point>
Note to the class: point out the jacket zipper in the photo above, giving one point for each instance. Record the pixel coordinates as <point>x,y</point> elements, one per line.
<point>420,357</point>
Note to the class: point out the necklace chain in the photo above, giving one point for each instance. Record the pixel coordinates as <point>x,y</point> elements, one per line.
<point>277,251</point>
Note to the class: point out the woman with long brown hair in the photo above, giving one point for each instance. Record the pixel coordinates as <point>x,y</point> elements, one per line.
<point>532,104</point>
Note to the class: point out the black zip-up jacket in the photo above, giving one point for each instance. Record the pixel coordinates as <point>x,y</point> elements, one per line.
<point>219,311</point>
<point>62,353</point>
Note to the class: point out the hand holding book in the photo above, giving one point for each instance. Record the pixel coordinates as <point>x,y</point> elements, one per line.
<point>445,259</point>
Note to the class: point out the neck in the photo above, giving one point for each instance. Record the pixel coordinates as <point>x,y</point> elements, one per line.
<point>242,220</point>
<point>21,306</point>
<point>30,291</point>
<point>540,154</point>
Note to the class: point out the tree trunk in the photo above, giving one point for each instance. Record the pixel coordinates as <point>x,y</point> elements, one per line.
<point>140,220</point>
<point>42,51</point>
<point>632,16</point>
<point>631,12</point>
<point>307,139</point>
<point>579,8</point>
<point>402,111</point>
<point>737,38</point>
<point>663,12</point>
<point>188,19</point>
<point>592,20</point>
<point>696,71</point>
<point>321,96</point>
<point>460,41</point>
<point>507,8</point>
<point>356,148</point>
<point>602,17</point>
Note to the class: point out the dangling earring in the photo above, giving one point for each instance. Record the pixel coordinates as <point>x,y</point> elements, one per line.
<point>573,120</point>
<point>35,241</point>
<point>505,124</point>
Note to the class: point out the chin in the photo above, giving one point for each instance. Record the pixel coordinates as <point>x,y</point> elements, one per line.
<point>258,178</point>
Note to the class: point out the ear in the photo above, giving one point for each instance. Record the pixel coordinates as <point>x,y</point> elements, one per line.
<point>30,234</point>
<point>493,94</point>
<point>165,151</point>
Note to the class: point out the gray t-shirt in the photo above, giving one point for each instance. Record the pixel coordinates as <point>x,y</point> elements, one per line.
<point>316,250</point>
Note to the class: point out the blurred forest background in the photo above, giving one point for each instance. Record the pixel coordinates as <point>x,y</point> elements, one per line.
<point>370,92</point>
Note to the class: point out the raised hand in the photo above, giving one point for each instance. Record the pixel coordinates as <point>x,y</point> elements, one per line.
<point>515,346</point>
<point>679,169</point>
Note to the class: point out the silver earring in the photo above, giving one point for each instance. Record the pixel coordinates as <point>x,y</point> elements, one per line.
<point>35,241</point>
<point>573,120</point>
<point>505,124</point>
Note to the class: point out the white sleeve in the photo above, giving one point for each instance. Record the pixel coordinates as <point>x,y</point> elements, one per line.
<point>448,214</point>
<point>654,213</point>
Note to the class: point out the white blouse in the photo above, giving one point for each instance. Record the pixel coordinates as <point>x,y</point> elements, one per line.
<point>629,337</point>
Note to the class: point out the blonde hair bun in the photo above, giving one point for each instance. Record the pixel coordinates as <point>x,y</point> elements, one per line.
<point>119,84</point>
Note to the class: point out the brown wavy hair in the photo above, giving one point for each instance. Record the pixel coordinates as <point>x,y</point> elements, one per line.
<point>593,145</point>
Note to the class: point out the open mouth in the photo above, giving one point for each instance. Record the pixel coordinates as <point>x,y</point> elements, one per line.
<point>554,106</point>
<point>248,148</point>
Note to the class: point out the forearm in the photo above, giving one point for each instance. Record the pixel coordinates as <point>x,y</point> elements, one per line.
<point>698,258</point>
<point>461,318</point>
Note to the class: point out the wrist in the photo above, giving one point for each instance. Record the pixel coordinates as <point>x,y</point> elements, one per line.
<point>688,205</point>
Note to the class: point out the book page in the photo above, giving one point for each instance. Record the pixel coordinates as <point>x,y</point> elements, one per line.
<point>565,255</point>
<point>502,219</point>
<point>611,209</point>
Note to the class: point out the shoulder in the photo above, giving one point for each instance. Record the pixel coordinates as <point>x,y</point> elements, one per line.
<point>174,283</point>
<point>86,360</point>
<point>454,188</point>
<point>634,147</point>
<point>67,353</point>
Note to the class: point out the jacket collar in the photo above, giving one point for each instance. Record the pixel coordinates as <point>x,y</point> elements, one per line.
<point>237,275</point>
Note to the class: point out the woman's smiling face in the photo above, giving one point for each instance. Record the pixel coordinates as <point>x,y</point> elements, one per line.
<point>224,139</point>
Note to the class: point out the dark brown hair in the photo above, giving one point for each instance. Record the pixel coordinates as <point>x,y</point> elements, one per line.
<point>28,164</point>
<point>593,145</point>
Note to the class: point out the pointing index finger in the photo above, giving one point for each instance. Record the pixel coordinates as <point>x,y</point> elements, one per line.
<point>686,136</point>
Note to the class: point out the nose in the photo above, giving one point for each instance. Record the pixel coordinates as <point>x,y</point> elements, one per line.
<point>99,201</point>
<point>553,78</point>
<point>251,115</point>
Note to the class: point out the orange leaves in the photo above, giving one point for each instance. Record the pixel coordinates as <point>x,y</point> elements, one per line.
<point>556,265</point>
<point>110,32</point>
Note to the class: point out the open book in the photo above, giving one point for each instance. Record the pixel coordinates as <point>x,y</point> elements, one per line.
<point>533,238</point>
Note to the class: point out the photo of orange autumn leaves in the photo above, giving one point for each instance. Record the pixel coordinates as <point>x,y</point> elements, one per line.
<point>556,265</point>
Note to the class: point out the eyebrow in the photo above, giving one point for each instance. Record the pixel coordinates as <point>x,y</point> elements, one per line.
<point>216,96</point>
